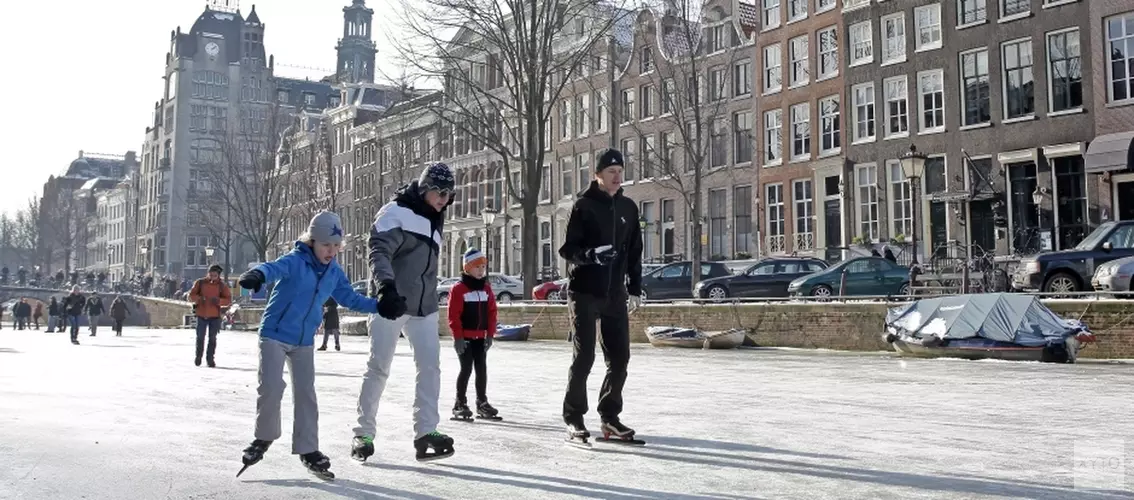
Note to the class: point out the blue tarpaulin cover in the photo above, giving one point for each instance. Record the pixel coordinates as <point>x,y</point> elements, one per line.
<point>1002,317</point>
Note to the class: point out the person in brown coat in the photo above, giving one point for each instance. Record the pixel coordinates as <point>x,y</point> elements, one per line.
<point>37,314</point>
<point>118,312</point>
<point>210,296</point>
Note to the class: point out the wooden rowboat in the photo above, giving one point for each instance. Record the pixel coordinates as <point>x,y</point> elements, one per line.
<point>671,336</point>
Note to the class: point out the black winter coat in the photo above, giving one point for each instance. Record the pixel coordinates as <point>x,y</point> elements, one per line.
<point>331,315</point>
<point>598,219</point>
<point>73,305</point>
<point>95,307</point>
<point>53,308</point>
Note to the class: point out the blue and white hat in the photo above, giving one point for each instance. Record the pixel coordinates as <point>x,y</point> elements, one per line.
<point>473,258</point>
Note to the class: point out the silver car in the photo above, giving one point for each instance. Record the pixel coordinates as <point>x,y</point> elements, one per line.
<point>1114,276</point>
<point>505,287</point>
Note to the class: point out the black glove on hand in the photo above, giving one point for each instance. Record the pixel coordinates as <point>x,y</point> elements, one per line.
<point>602,255</point>
<point>252,280</point>
<point>390,305</point>
<point>460,345</point>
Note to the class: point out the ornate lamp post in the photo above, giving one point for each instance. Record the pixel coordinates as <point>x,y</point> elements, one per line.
<point>209,250</point>
<point>489,216</point>
<point>913,167</point>
<point>1037,199</point>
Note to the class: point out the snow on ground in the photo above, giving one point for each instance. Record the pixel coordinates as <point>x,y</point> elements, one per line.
<point>131,417</point>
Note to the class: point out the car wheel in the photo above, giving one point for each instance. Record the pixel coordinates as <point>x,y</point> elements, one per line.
<point>504,298</point>
<point>821,291</point>
<point>904,290</point>
<point>643,296</point>
<point>443,299</point>
<point>554,296</point>
<point>717,292</point>
<point>1061,283</point>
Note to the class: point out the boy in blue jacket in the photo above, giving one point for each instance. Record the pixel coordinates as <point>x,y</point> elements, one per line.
<point>305,278</point>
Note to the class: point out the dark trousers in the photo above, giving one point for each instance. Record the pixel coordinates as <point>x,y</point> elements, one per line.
<point>118,326</point>
<point>213,326</point>
<point>615,334</point>
<point>74,319</point>
<point>327,332</point>
<point>21,322</point>
<point>474,357</point>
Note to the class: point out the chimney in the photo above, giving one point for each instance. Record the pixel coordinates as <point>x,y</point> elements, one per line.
<point>80,153</point>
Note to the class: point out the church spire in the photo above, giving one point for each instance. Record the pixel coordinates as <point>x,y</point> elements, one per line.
<point>356,49</point>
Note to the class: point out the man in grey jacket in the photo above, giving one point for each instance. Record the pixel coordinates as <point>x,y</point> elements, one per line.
<point>405,243</point>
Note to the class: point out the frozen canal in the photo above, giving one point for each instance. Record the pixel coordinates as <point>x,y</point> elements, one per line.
<point>132,418</point>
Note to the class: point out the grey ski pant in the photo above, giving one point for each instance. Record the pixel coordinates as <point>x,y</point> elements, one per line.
<point>423,338</point>
<point>301,364</point>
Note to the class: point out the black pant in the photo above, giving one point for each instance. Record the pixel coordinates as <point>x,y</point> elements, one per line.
<point>474,356</point>
<point>615,328</point>
<point>118,326</point>
<point>213,326</point>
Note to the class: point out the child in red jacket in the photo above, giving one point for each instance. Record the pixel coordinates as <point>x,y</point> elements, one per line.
<point>472,319</point>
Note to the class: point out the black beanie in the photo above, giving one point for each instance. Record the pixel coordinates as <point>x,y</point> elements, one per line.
<point>611,157</point>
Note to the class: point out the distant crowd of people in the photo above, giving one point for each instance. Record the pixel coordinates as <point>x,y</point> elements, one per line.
<point>66,313</point>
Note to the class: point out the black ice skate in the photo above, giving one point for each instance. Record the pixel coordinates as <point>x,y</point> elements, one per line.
<point>614,432</point>
<point>361,448</point>
<point>461,412</point>
<point>253,454</point>
<point>318,464</point>
<point>440,444</point>
<point>577,433</point>
<point>485,411</point>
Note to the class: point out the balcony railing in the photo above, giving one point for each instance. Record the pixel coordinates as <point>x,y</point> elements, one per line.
<point>804,242</point>
<point>777,244</point>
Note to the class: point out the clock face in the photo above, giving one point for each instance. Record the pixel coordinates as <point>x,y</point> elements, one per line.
<point>212,48</point>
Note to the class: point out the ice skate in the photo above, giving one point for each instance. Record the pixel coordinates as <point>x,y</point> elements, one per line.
<point>577,434</point>
<point>433,446</point>
<point>317,464</point>
<point>485,411</point>
<point>461,412</point>
<point>362,447</point>
<point>614,432</point>
<point>253,454</point>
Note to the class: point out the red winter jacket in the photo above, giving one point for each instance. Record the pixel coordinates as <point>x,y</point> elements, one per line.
<point>472,309</point>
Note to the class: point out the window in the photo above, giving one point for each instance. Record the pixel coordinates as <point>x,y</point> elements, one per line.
<point>1120,72</point>
<point>799,62</point>
<point>544,184</point>
<point>742,78</point>
<point>824,5</point>
<point>718,217</point>
<point>648,214</point>
<point>897,107</point>
<point>646,108</point>
<point>894,38</point>
<point>970,12</point>
<point>545,244</point>
<point>1019,84</point>
<point>717,40</point>
<point>773,136</point>
<point>804,216</point>
<point>851,4</point>
<point>669,92</point>
<point>646,157</point>
<point>797,9</point>
<point>861,44</point>
<point>927,20</point>
<point>718,145</point>
<point>901,210</point>
<point>1071,191</point>
<point>583,110</point>
<point>931,88</point>
<point>627,105</point>
<point>771,13</point>
<point>718,83</point>
<point>773,68</point>
<point>601,110</point>
<point>863,112</point>
<point>282,96</point>
<point>867,181</point>
<point>565,120</point>
<point>1065,70</point>
<point>584,170</point>
<point>829,123</point>
<point>629,147</point>
<point>742,219</point>
<point>742,137</point>
<point>646,61</point>
<point>566,176</point>
<point>1014,7</point>
<point>800,131</point>
<point>774,207</point>
<point>975,87</point>
<point>828,53</point>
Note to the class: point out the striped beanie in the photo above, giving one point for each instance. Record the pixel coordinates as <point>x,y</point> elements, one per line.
<point>474,258</point>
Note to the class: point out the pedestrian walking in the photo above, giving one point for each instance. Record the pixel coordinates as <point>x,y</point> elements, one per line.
<point>37,313</point>
<point>95,310</point>
<point>53,314</point>
<point>73,306</point>
<point>210,296</point>
<point>330,323</point>
<point>118,312</point>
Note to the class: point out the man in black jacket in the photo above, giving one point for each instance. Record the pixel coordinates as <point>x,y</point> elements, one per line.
<point>604,245</point>
<point>73,306</point>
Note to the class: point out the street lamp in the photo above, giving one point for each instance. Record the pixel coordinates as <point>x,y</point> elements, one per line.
<point>489,216</point>
<point>1037,199</point>
<point>913,167</point>
<point>209,253</point>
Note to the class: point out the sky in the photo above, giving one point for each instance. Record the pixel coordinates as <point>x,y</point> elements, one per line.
<point>84,75</point>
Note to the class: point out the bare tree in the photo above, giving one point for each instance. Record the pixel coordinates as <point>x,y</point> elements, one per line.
<point>60,223</point>
<point>690,81</point>
<point>505,64</point>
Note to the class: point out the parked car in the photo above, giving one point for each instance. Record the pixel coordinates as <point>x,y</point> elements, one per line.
<point>767,278</point>
<point>361,286</point>
<point>675,281</point>
<point>1071,270</point>
<point>1114,276</point>
<point>864,276</point>
<point>551,290</point>
<point>505,288</point>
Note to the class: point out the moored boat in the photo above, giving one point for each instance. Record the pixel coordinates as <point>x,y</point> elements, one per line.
<point>671,336</point>
<point>513,332</point>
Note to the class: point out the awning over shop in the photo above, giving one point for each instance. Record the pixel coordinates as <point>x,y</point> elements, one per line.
<point>1110,152</point>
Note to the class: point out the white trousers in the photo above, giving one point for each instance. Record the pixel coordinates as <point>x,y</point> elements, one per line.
<point>423,338</point>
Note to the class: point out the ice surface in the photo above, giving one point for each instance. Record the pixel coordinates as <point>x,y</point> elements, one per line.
<point>131,417</point>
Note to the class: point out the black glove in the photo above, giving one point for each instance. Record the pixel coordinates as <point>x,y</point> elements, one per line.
<point>602,255</point>
<point>390,305</point>
<point>252,280</point>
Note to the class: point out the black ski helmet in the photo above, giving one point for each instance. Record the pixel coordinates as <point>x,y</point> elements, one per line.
<point>436,177</point>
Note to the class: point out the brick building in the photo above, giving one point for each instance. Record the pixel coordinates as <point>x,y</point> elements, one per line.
<point>1111,155</point>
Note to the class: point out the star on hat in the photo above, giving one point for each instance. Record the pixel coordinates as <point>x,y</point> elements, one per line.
<point>336,231</point>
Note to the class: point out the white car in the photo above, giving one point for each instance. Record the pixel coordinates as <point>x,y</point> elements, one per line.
<point>505,287</point>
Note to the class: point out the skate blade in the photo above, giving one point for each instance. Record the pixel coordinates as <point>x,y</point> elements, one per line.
<point>493,419</point>
<point>579,443</point>
<point>436,456</point>
<point>461,419</point>
<point>326,475</point>
<point>622,441</point>
<point>358,458</point>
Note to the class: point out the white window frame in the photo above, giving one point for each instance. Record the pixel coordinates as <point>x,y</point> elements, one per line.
<point>797,10</point>
<point>931,10</point>
<point>1110,81</point>
<point>866,195</point>
<point>773,144</point>
<point>776,227</point>
<point>825,5</point>
<point>961,74</point>
<point>827,56</point>
<point>857,39</point>
<point>899,193</point>
<point>771,13</point>
<point>867,90</point>
<point>923,127</point>
<point>980,5</point>
<point>893,49</point>
<point>629,107</point>
<point>804,211</point>
<point>825,117</point>
<point>799,57</point>
<point>889,85</point>
<point>1005,16</point>
<point>1051,70</point>
<point>854,4</point>
<point>800,115</point>
<point>773,66</point>
<point>742,78</point>
<point>1004,78</point>
<point>602,111</point>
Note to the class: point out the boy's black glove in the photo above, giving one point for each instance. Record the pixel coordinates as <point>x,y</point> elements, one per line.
<point>390,305</point>
<point>252,280</point>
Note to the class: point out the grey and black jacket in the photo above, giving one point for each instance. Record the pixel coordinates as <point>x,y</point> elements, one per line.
<point>405,243</point>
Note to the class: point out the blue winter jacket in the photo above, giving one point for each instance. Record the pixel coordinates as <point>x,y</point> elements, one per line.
<point>295,308</point>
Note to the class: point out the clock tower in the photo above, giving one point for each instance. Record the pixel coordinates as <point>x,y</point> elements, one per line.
<point>356,49</point>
